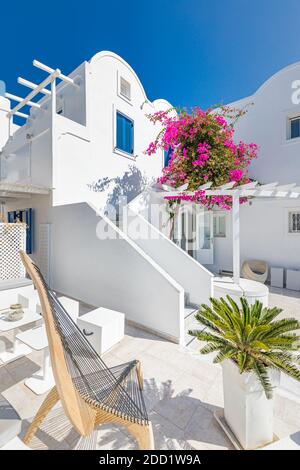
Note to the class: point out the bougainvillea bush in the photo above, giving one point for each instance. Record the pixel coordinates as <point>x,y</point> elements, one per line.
<point>202,149</point>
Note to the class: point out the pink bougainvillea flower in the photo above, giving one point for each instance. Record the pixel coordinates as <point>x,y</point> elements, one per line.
<point>236,175</point>
<point>203,150</point>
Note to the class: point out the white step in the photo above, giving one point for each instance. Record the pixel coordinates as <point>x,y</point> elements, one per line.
<point>190,310</point>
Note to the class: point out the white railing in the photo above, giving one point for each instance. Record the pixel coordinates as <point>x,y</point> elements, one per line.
<point>189,273</point>
<point>12,240</point>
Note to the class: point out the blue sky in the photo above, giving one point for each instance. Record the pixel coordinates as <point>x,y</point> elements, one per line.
<point>191,52</point>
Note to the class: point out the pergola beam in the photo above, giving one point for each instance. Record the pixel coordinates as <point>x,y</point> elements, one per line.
<point>32,85</point>
<point>25,116</point>
<point>204,186</point>
<point>287,191</point>
<point>49,70</point>
<point>19,99</point>
<point>34,92</point>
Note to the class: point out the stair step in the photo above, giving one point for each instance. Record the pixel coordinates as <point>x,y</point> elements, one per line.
<point>190,310</point>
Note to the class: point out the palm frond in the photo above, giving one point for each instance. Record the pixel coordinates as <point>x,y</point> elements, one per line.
<point>250,336</point>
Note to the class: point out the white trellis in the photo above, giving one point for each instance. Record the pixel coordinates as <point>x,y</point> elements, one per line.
<point>12,240</point>
<point>253,189</point>
<point>53,75</point>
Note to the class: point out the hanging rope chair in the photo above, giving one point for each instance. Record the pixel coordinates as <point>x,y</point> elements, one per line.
<point>90,392</point>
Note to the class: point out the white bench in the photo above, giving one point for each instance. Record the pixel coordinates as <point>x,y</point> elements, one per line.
<point>103,328</point>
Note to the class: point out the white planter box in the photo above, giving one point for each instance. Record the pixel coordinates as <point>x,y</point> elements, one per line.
<point>247,411</point>
<point>277,277</point>
<point>293,279</point>
<point>103,328</point>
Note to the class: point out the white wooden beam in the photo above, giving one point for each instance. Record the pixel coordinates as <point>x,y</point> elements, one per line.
<point>285,187</point>
<point>34,92</point>
<point>251,185</point>
<point>25,116</point>
<point>267,186</point>
<point>5,195</point>
<point>226,186</point>
<point>23,188</point>
<point>166,187</point>
<point>44,67</point>
<point>33,86</point>
<point>19,99</point>
<point>183,187</point>
<point>205,186</point>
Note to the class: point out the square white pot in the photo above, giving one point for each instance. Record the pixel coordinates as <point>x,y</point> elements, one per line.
<point>103,328</point>
<point>293,279</point>
<point>247,410</point>
<point>277,277</point>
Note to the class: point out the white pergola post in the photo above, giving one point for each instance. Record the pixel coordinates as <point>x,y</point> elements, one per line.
<point>53,98</point>
<point>236,236</point>
<point>248,190</point>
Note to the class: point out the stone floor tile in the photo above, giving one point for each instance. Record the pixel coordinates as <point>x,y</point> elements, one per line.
<point>203,432</point>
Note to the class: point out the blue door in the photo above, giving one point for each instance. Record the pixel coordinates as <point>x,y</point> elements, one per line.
<point>26,217</point>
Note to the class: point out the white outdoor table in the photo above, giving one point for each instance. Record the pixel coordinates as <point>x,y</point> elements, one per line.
<point>18,349</point>
<point>43,380</point>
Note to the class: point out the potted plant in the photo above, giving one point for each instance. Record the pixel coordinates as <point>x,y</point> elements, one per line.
<point>253,347</point>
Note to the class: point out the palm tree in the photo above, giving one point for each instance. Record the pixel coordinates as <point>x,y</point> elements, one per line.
<point>251,337</point>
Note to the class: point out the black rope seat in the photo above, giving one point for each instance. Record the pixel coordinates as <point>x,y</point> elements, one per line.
<point>114,389</point>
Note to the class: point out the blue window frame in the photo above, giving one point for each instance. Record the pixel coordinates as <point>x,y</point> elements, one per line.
<point>167,156</point>
<point>295,127</point>
<point>125,134</point>
<point>25,216</point>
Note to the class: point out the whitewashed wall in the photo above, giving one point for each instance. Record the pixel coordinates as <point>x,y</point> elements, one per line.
<point>113,273</point>
<point>264,232</point>
<point>264,235</point>
<point>94,157</point>
<point>266,124</point>
<point>79,149</point>
<point>191,275</point>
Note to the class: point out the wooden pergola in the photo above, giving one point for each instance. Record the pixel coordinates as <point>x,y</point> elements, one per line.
<point>253,189</point>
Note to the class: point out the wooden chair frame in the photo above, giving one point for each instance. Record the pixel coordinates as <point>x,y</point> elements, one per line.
<point>83,413</point>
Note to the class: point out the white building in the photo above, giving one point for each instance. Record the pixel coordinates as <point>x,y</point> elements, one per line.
<point>92,127</point>
<point>270,229</point>
<point>81,151</point>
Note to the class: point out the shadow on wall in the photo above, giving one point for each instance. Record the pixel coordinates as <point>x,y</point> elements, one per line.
<point>121,188</point>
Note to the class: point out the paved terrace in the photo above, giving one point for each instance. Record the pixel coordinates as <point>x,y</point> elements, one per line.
<point>182,390</point>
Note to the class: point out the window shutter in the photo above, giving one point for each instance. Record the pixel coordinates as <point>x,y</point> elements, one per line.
<point>11,217</point>
<point>294,222</point>
<point>125,88</point>
<point>295,128</point>
<point>167,156</point>
<point>124,133</point>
